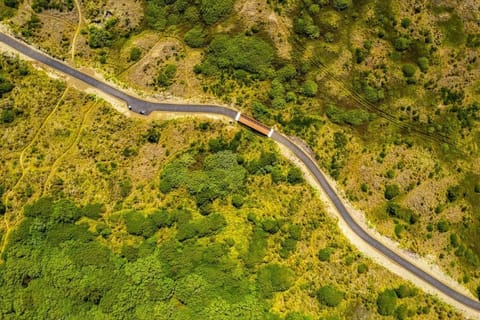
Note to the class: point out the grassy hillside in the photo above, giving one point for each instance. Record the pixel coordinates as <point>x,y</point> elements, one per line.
<point>95,203</point>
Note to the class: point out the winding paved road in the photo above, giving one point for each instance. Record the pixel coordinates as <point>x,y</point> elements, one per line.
<point>147,107</point>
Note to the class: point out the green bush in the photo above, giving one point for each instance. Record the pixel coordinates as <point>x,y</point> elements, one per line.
<point>405,22</point>
<point>135,54</point>
<point>408,70</point>
<point>99,38</point>
<point>391,191</point>
<point>215,10</point>
<point>274,278</point>
<point>12,3</point>
<point>196,37</point>
<point>341,4</point>
<point>139,225</point>
<point>386,302</point>
<point>404,291</point>
<point>237,201</point>
<point>330,296</point>
<point>325,253</point>
<point>240,52</point>
<point>423,64</point>
<point>401,44</point>
<point>166,75</point>
<point>443,226</point>
<point>295,176</point>
<point>352,117</point>
<point>310,88</point>
<point>362,268</point>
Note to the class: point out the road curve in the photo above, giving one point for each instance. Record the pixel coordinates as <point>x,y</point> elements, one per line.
<point>146,107</point>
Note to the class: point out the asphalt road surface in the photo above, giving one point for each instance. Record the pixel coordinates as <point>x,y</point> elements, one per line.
<point>146,107</point>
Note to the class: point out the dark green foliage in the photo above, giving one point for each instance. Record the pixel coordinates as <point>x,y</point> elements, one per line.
<point>341,4</point>
<point>423,64</point>
<point>397,211</point>
<point>215,10</point>
<point>153,135</point>
<point>31,26</point>
<point>310,88</point>
<point>257,247</point>
<point>401,313</point>
<point>274,278</point>
<point>139,225</point>
<point>196,37</point>
<point>162,218</point>
<point>401,44</point>
<point>325,253</point>
<point>60,5</point>
<point>386,302</point>
<point>408,70</point>
<point>5,86</point>
<point>3,209</point>
<point>240,52</point>
<point>166,75</point>
<point>295,176</point>
<point>405,22</point>
<point>202,227</point>
<point>330,296</point>
<point>453,193</point>
<point>289,245</point>
<point>92,210</point>
<point>362,268</point>
<point>135,54</point>
<point>270,225</point>
<point>391,191</point>
<point>404,291</point>
<point>355,117</point>
<point>12,3</point>
<point>237,201</point>
<point>99,37</point>
<point>443,226</point>
<point>287,72</point>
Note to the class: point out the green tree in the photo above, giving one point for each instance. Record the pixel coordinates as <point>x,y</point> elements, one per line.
<point>408,70</point>
<point>99,37</point>
<point>196,37</point>
<point>215,10</point>
<point>274,278</point>
<point>330,296</point>
<point>391,191</point>
<point>423,64</point>
<point>386,302</point>
<point>341,4</point>
<point>401,44</point>
<point>135,54</point>
<point>310,88</point>
<point>295,176</point>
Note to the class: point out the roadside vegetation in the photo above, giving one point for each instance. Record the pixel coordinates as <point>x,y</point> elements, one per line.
<point>116,217</point>
<point>385,93</point>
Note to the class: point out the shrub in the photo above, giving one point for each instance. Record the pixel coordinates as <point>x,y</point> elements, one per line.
<point>241,52</point>
<point>274,278</point>
<point>166,75</point>
<point>443,226</point>
<point>341,4</point>
<point>406,22</point>
<point>423,64</point>
<point>310,88</point>
<point>325,253</point>
<point>135,54</point>
<point>391,191</point>
<point>408,70</point>
<point>195,37</point>
<point>237,201</point>
<point>295,176</point>
<point>401,44</point>
<point>139,225</point>
<point>270,226</point>
<point>386,302</point>
<point>330,296</point>
<point>453,193</point>
<point>99,38</point>
<point>362,268</point>
<point>214,10</point>
<point>12,3</point>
